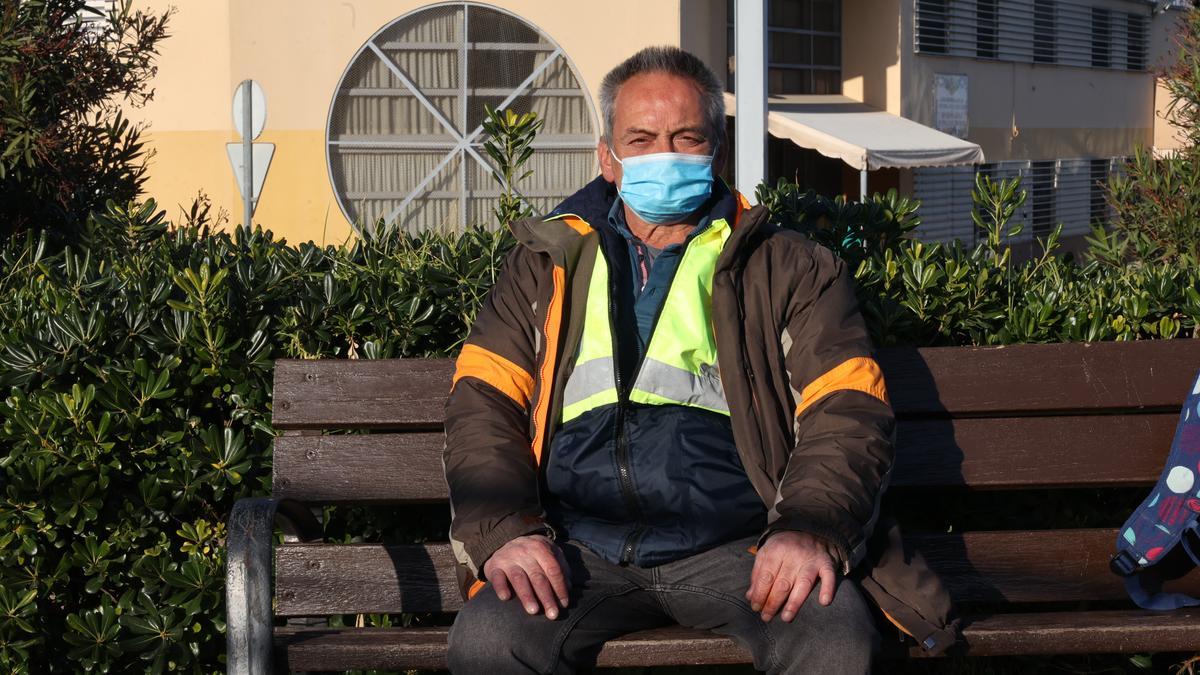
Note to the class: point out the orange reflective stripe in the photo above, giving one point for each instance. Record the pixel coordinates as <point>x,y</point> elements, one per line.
<point>475,588</point>
<point>541,411</point>
<point>743,204</point>
<point>504,375</point>
<point>857,374</point>
<point>577,224</point>
<point>897,624</point>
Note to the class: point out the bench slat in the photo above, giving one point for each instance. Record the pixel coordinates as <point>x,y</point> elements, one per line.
<point>963,381</point>
<point>1039,566</point>
<point>1101,376</point>
<point>1117,631</point>
<point>979,453</point>
<point>360,393</point>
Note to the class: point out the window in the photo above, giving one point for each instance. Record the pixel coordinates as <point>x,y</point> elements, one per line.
<point>987,24</point>
<point>931,24</point>
<point>1070,192</point>
<point>1136,36</point>
<point>1044,47</point>
<point>1065,32</point>
<point>945,195</point>
<point>804,46</point>
<point>1101,37</point>
<point>95,13</point>
<point>1098,173</point>
<point>404,139</point>
<point>1041,184</point>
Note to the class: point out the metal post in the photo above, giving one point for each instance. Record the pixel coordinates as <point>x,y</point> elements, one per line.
<point>750,80</point>
<point>862,185</point>
<point>247,153</point>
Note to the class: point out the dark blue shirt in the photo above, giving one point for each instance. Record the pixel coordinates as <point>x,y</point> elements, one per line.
<point>652,269</point>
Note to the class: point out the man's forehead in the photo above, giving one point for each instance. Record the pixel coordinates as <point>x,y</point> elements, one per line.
<point>658,95</point>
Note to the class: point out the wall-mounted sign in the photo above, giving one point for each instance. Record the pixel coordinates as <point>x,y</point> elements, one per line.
<point>950,104</point>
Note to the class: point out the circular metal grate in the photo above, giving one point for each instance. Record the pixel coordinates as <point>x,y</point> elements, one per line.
<point>404,138</point>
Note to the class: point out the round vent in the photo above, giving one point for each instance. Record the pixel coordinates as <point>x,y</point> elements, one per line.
<point>404,140</point>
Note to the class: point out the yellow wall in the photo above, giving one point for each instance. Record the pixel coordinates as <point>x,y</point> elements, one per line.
<point>297,50</point>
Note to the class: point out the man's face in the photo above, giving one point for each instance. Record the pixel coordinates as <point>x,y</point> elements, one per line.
<point>656,112</point>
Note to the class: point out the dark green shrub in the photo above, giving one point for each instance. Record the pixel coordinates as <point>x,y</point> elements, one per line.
<point>137,375</point>
<point>65,148</point>
<point>855,231</point>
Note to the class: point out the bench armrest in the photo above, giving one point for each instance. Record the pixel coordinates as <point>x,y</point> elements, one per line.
<point>249,545</point>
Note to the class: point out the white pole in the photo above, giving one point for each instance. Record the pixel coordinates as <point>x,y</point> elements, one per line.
<point>750,84</point>
<point>862,185</point>
<point>247,154</point>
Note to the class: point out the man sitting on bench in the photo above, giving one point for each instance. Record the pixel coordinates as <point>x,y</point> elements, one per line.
<point>666,412</point>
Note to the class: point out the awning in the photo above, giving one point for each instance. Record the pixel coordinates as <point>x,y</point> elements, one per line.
<point>861,136</point>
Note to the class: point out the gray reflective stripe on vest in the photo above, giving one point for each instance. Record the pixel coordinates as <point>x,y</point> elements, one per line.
<point>680,386</point>
<point>589,379</point>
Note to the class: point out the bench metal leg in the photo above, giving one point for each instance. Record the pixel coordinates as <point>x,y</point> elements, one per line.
<point>249,548</point>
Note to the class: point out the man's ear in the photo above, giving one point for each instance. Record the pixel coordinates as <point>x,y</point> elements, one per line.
<point>606,162</point>
<point>718,164</point>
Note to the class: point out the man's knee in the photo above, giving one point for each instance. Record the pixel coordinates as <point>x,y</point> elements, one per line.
<point>483,637</point>
<point>843,633</point>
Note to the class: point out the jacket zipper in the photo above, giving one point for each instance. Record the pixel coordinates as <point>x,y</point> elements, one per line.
<point>624,473</point>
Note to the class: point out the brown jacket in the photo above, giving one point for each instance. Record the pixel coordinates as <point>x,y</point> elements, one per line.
<point>808,403</point>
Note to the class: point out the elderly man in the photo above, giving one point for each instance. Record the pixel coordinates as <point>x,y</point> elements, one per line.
<point>666,412</point>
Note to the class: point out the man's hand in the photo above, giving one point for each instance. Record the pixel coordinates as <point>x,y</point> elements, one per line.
<point>785,570</point>
<point>533,567</point>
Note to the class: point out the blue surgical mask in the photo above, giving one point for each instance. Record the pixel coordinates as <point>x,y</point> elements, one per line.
<point>665,187</point>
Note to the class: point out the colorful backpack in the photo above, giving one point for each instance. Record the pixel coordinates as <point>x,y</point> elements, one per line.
<point>1169,517</point>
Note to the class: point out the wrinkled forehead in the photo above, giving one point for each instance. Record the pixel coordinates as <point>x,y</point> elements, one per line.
<point>658,101</point>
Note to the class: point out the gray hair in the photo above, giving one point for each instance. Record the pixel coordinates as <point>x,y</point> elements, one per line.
<point>673,61</point>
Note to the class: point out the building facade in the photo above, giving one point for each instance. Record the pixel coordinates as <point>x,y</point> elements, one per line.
<point>374,107</point>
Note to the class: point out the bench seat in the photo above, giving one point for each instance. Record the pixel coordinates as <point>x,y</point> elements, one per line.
<point>1113,631</point>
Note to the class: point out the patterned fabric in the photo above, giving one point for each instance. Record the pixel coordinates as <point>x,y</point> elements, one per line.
<point>1169,516</point>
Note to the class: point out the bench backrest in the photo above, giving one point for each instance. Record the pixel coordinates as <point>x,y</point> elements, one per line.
<point>1000,418</point>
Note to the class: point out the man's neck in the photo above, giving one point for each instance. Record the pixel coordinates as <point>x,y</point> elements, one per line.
<point>660,236</point>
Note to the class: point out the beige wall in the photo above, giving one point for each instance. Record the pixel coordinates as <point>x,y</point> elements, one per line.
<point>1034,111</point>
<point>1162,55</point>
<point>297,50</point>
<point>871,52</point>
<point>703,31</point>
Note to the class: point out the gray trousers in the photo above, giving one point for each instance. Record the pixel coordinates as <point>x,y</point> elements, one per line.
<point>706,591</point>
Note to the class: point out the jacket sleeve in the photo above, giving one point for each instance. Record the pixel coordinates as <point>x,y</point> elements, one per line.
<point>844,426</point>
<point>490,469</point>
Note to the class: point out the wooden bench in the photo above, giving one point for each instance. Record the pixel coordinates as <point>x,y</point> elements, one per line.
<point>972,421</point>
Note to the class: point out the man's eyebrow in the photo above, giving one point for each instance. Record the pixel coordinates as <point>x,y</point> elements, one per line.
<point>672,132</point>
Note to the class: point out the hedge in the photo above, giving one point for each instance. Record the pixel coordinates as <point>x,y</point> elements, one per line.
<point>137,366</point>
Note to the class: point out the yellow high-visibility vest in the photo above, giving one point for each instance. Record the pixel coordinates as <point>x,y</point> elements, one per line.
<point>680,364</point>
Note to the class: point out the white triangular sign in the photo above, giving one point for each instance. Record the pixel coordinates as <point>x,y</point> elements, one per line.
<point>263,152</point>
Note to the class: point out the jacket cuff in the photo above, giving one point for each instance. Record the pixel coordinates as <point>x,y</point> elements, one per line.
<point>511,527</point>
<point>841,547</point>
